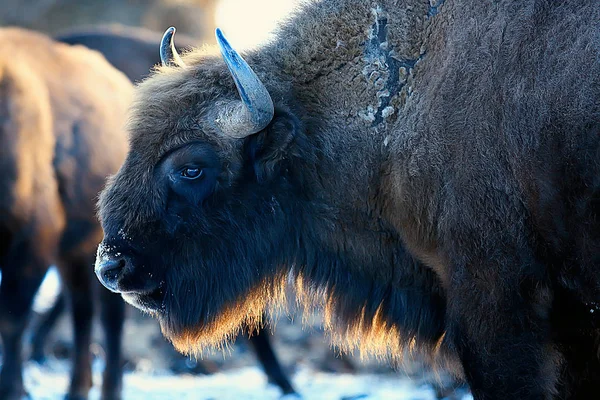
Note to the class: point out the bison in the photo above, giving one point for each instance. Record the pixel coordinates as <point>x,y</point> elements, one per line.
<point>130,50</point>
<point>134,52</point>
<point>62,112</point>
<point>427,170</point>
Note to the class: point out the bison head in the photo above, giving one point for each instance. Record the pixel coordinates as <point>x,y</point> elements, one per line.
<point>200,219</point>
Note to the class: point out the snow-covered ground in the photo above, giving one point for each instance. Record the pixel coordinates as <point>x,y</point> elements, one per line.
<point>50,382</point>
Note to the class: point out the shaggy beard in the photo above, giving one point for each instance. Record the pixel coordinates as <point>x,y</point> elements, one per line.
<point>224,323</point>
<point>353,324</point>
<point>364,325</point>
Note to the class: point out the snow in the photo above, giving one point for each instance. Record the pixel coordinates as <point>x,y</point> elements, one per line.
<point>50,382</point>
<point>48,291</point>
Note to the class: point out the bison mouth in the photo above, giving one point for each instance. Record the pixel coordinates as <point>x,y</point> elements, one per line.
<point>121,269</point>
<point>151,302</point>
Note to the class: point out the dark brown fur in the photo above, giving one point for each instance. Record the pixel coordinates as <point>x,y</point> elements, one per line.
<point>431,169</point>
<point>62,111</point>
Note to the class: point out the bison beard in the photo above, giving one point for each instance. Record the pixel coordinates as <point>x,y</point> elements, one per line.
<point>424,172</point>
<point>379,318</point>
<point>191,334</point>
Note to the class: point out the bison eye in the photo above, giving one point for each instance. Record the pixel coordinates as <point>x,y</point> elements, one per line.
<point>192,173</point>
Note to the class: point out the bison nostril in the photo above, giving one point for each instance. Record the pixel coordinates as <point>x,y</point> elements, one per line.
<point>108,271</point>
<point>112,270</point>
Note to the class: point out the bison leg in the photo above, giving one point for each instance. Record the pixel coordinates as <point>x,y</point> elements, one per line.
<point>268,359</point>
<point>78,280</point>
<point>113,317</point>
<point>22,274</point>
<point>501,332</point>
<point>47,322</point>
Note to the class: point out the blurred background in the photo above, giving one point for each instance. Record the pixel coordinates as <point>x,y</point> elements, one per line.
<point>154,369</point>
<point>245,22</point>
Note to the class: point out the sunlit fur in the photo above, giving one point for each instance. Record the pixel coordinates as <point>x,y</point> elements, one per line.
<point>248,311</point>
<point>429,178</point>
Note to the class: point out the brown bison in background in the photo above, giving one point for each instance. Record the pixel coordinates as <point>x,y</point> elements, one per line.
<point>133,51</point>
<point>62,112</point>
<point>192,17</point>
<point>430,168</point>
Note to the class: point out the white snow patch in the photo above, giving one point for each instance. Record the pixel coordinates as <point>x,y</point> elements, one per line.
<point>50,382</point>
<point>48,291</point>
<point>387,112</point>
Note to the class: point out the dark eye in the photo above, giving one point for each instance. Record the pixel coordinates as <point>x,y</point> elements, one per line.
<point>192,173</point>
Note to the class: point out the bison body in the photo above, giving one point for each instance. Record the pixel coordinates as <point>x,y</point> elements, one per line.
<point>429,168</point>
<point>62,112</point>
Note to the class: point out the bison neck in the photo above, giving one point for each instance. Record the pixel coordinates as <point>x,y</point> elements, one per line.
<point>376,297</point>
<point>351,86</point>
<point>356,68</point>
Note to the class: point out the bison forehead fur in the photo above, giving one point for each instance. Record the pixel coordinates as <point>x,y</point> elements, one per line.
<point>430,172</point>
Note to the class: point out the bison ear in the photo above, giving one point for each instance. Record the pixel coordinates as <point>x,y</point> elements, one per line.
<point>267,149</point>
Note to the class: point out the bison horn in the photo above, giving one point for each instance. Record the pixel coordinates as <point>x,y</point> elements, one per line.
<point>168,52</point>
<point>255,111</point>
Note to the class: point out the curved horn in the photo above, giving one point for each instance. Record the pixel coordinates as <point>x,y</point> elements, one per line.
<point>255,110</point>
<point>168,52</point>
